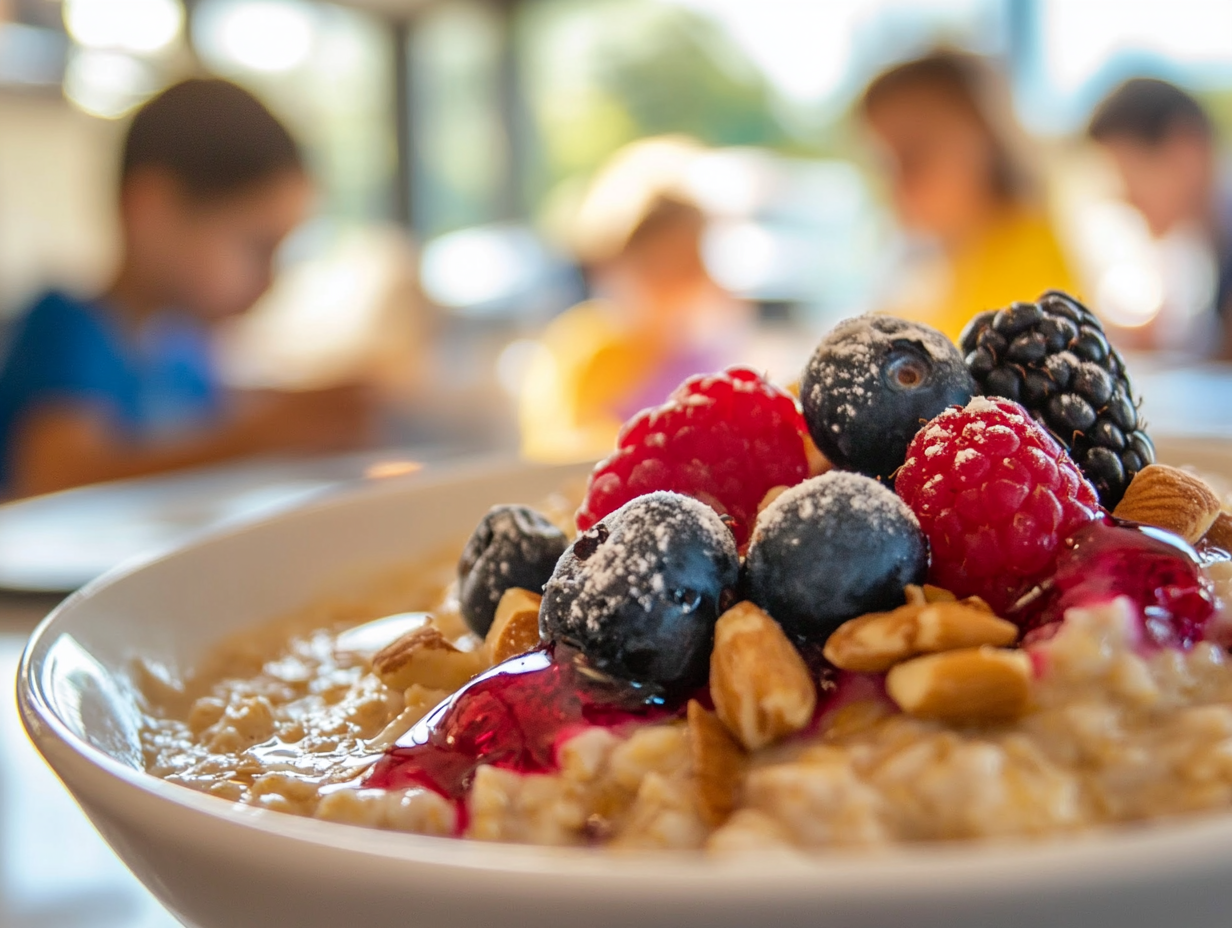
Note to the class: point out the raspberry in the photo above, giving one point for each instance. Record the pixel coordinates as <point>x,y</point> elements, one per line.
<point>725,439</point>
<point>996,495</point>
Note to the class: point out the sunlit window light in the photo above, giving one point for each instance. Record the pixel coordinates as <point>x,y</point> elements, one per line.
<point>803,48</point>
<point>143,27</point>
<point>731,183</point>
<point>1130,294</point>
<point>1082,37</point>
<point>473,267</point>
<point>516,361</point>
<point>741,256</point>
<point>270,36</point>
<point>106,83</point>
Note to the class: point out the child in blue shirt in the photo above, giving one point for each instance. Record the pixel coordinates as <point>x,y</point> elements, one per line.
<point>124,384</point>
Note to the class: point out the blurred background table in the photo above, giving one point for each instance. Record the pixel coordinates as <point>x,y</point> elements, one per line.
<point>1181,399</point>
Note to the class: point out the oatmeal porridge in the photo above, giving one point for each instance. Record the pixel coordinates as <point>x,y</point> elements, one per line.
<point>759,635</point>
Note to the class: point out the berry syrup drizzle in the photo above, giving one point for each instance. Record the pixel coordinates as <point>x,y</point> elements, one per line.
<point>1108,558</point>
<point>515,716</point>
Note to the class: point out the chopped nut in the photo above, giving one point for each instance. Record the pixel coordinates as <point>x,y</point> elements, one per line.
<point>1172,499</point>
<point>935,594</point>
<point>975,602</point>
<point>1220,532</point>
<point>818,463</point>
<point>417,702</point>
<point>761,687</point>
<point>875,642</point>
<point>771,495</point>
<point>950,626</point>
<point>972,685</point>
<point>718,765</point>
<point>515,630</point>
<point>854,717</point>
<point>426,658</point>
<point>922,595</point>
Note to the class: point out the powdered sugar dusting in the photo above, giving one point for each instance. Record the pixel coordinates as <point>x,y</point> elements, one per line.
<point>835,494</point>
<point>872,383</point>
<point>514,541</point>
<point>632,562</point>
<point>932,438</point>
<point>983,404</point>
<point>854,349</point>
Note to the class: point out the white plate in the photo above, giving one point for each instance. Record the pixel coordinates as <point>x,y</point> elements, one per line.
<point>220,865</point>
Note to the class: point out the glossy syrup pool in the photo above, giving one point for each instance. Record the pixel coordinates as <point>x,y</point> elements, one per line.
<point>1108,558</point>
<point>515,716</point>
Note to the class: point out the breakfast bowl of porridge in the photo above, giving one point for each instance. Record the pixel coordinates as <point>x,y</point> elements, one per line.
<point>937,634</point>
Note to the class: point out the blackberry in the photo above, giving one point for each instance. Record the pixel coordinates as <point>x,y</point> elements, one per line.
<point>1052,357</point>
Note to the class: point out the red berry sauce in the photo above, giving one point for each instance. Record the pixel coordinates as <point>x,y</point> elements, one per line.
<point>844,687</point>
<point>1108,558</point>
<point>837,689</point>
<point>515,716</point>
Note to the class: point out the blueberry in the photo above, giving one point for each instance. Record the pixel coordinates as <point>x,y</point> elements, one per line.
<point>639,593</point>
<point>832,548</point>
<point>513,546</point>
<point>870,385</point>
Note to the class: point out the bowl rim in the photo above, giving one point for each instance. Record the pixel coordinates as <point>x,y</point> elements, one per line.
<point>1105,855</point>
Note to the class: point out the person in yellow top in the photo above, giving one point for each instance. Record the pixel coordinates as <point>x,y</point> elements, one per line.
<point>657,317</point>
<point>959,178</point>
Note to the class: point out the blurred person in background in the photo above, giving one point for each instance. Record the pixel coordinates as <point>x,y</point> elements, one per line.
<point>656,318</point>
<point>960,180</point>
<point>1166,153</point>
<point>124,384</point>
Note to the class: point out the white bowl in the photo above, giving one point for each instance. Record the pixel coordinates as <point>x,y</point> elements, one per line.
<point>216,864</point>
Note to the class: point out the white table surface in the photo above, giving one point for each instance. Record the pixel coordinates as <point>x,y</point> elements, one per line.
<point>55,870</point>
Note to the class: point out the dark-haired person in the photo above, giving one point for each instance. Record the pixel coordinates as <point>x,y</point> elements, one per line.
<point>1165,149</point>
<point>961,183</point>
<point>124,384</point>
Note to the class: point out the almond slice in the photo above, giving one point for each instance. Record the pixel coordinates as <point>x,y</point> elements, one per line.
<point>936,594</point>
<point>1220,532</point>
<point>875,642</point>
<point>818,463</point>
<point>771,495</point>
<point>515,629</point>
<point>950,626</point>
<point>921,595</point>
<point>1172,499</point>
<point>718,764</point>
<point>971,686</point>
<point>425,657</point>
<point>761,688</point>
